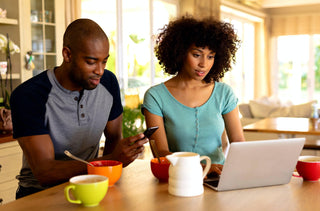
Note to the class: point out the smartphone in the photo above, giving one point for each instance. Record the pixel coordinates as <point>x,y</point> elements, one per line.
<point>148,132</point>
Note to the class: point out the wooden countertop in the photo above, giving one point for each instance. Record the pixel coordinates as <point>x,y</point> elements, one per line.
<point>6,138</point>
<point>139,190</point>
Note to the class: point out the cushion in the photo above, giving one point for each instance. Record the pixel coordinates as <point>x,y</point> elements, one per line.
<point>245,111</point>
<point>302,110</point>
<point>261,110</point>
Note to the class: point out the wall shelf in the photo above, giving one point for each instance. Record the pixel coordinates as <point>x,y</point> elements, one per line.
<point>14,76</point>
<point>8,21</point>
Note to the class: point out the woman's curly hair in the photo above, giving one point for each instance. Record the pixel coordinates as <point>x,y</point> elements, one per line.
<point>175,39</point>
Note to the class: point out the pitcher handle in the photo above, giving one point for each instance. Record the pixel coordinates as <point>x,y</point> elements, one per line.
<point>208,165</point>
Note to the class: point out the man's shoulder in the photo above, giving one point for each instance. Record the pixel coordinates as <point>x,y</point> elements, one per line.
<point>34,86</point>
<point>109,81</point>
<point>108,75</point>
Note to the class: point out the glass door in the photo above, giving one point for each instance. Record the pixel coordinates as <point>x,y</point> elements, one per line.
<point>43,30</point>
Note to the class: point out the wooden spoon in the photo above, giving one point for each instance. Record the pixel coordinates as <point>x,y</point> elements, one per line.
<point>67,153</point>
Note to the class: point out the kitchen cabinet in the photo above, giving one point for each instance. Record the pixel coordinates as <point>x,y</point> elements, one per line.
<point>36,26</point>
<point>11,162</point>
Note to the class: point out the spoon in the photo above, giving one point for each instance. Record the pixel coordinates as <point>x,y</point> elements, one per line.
<point>154,149</point>
<point>67,153</point>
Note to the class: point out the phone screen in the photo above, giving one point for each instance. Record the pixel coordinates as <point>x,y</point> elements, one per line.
<point>148,132</point>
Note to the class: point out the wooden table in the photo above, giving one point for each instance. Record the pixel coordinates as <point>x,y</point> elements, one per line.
<point>288,127</point>
<point>139,190</point>
<point>283,125</point>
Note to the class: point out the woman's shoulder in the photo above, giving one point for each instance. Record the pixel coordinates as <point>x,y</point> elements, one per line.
<point>156,88</point>
<point>222,86</point>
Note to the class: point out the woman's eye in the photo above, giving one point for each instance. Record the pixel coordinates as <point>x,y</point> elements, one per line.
<point>196,55</point>
<point>210,57</point>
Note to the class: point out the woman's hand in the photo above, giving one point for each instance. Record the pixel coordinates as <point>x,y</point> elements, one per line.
<point>214,171</point>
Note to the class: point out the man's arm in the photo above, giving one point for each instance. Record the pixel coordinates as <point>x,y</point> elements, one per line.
<point>39,152</point>
<point>120,149</point>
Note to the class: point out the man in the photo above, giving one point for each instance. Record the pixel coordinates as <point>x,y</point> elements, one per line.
<point>68,108</point>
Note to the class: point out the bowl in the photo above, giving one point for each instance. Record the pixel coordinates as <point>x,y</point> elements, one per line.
<point>160,170</point>
<point>308,167</point>
<point>109,168</point>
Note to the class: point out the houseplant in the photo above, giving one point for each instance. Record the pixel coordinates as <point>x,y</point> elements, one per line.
<point>7,47</point>
<point>133,121</point>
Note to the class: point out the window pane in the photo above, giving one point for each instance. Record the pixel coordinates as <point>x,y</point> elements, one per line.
<point>241,77</point>
<point>316,41</point>
<point>104,13</point>
<point>293,68</point>
<point>163,12</point>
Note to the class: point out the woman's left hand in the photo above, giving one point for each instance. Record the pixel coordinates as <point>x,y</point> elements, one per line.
<point>214,170</point>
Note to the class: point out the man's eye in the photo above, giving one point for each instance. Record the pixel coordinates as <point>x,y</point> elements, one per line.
<point>90,62</point>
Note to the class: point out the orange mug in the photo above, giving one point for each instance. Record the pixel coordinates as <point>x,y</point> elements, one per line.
<point>109,168</point>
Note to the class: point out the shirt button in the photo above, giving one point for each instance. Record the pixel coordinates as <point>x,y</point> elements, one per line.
<point>83,115</point>
<point>81,106</point>
<point>76,98</point>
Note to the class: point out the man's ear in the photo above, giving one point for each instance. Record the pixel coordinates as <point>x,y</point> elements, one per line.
<point>66,53</point>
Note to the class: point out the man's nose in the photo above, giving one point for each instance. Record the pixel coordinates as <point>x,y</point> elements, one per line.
<point>100,69</point>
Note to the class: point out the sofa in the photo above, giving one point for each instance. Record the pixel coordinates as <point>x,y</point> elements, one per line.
<point>261,108</point>
<point>258,109</point>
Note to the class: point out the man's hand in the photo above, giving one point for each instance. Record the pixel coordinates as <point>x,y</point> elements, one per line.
<point>128,149</point>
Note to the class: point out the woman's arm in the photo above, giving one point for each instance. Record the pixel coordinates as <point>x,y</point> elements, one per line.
<point>233,126</point>
<point>160,135</point>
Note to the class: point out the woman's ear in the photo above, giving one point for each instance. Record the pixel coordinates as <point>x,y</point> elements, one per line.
<point>66,53</point>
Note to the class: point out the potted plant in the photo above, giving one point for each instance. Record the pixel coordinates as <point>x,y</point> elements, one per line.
<point>7,47</point>
<point>133,121</point>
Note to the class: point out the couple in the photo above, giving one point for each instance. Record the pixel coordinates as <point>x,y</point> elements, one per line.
<point>68,107</point>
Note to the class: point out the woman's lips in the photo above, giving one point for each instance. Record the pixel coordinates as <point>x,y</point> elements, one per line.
<point>200,73</point>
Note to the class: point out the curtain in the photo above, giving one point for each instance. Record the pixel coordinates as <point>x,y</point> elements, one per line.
<point>73,10</point>
<point>295,24</point>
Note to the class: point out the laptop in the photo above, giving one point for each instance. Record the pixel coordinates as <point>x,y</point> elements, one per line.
<point>253,164</point>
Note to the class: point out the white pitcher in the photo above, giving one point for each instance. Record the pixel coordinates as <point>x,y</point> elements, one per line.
<point>186,173</point>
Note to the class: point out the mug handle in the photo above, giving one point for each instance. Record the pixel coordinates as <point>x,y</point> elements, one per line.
<point>66,193</point>
<point>296,174</point>
<point>208,165</point>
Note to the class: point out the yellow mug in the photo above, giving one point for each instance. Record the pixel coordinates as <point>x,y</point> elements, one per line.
<point>87,190</point>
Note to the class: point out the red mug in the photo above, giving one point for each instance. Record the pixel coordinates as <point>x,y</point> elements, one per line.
<point>160,170</point>
<point>308,167</point>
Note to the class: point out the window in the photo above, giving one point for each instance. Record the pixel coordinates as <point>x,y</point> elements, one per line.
<point>241,77</point>
<point>297,68</point>
<point>131,27</point>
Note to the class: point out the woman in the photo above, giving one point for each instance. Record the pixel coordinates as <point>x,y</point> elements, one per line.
<point>193,108</point>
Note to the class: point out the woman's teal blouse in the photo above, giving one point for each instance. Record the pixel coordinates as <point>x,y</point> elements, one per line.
<point>196,129</point>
